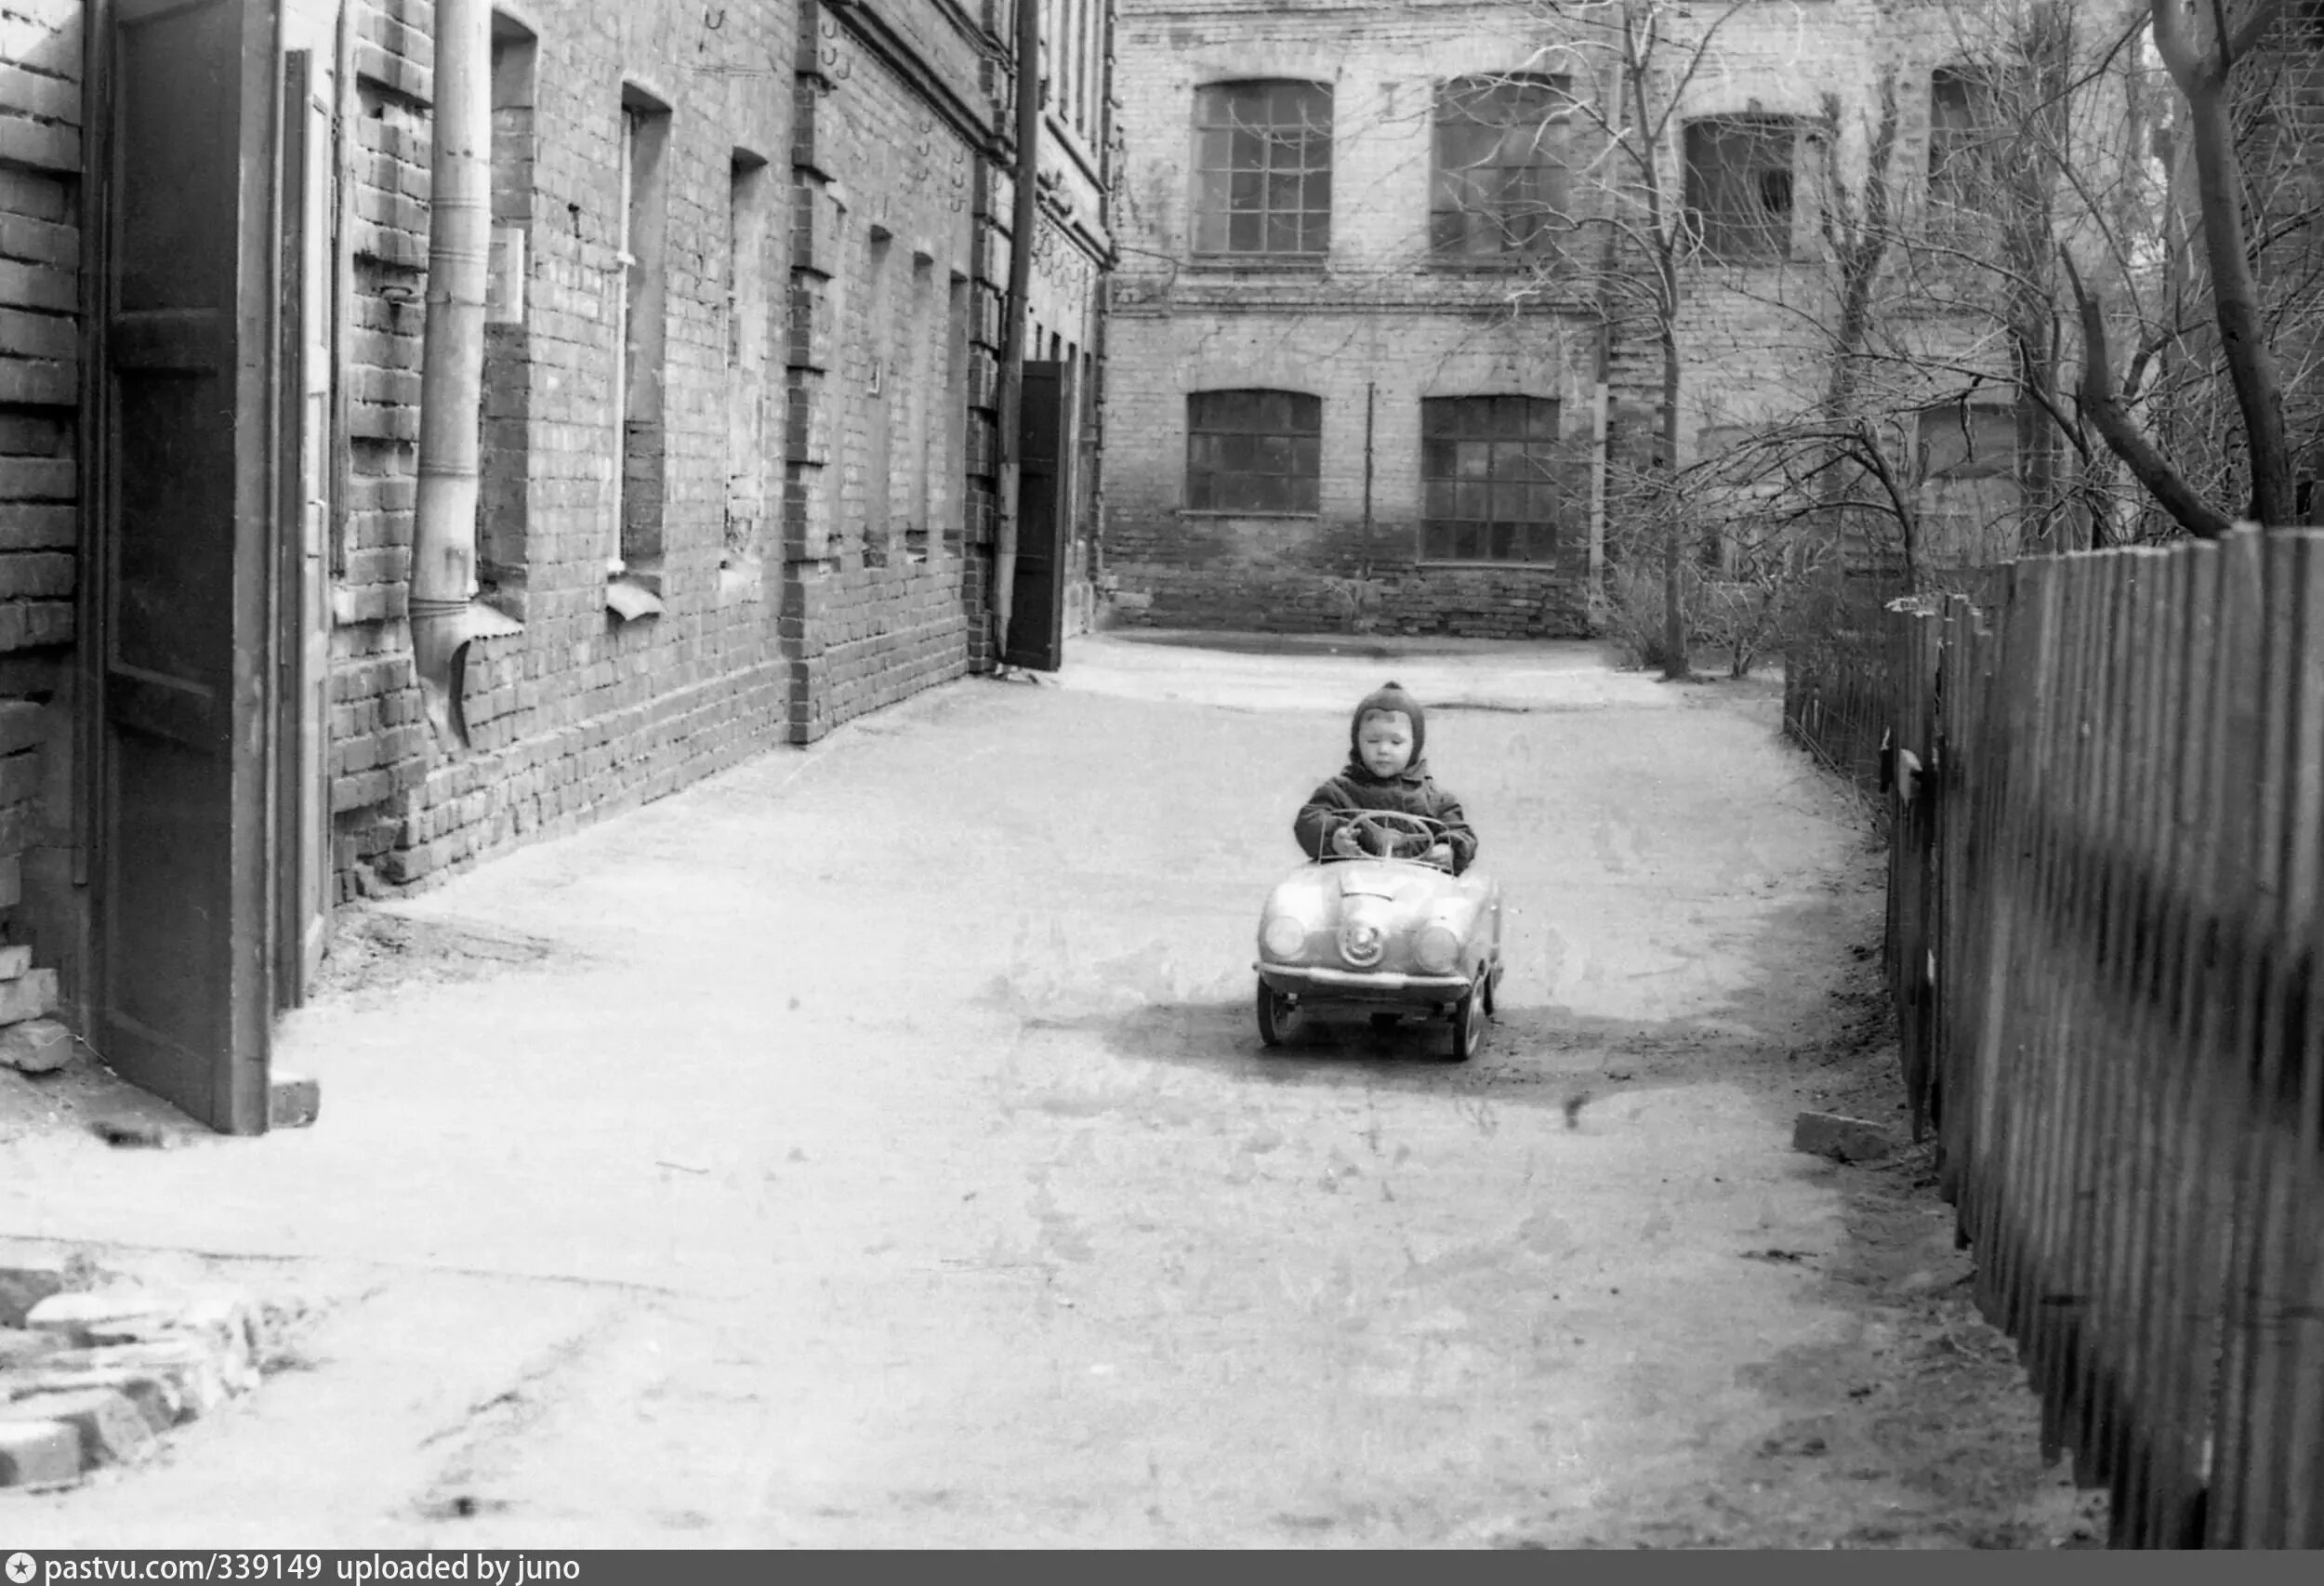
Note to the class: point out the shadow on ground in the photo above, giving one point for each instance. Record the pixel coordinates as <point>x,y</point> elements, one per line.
<point>1918,1415</point>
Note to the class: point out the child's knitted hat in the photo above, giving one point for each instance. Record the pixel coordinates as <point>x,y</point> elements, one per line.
<point>1390,695</point>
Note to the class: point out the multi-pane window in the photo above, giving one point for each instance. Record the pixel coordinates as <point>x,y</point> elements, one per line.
<point>1263,169</point>
<point>1488,481</point>
<point>1253,451</point>
<point>1500,187</point>
<point>1739,186</point>
<point>1964,136</point>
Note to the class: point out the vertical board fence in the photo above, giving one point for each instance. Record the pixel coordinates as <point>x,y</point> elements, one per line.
<point>2105,928</point>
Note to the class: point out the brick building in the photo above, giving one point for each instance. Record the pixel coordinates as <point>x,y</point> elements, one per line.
<point>737,462</point>
<point>1368,369</point>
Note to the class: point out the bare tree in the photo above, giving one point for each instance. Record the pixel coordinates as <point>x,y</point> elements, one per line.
<point>1649,52</point>
<point>2202,41</point>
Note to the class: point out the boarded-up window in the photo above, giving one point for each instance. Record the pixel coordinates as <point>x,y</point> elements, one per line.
<point>1488,480</point>
<point>1500,184</point>
<point>1739,181</point>
<point>1263,169</point>
<point>1253,451</point>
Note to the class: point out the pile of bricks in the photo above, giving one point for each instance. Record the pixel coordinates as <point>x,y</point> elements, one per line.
<point>93,1376</point>
<point>31,1042</point>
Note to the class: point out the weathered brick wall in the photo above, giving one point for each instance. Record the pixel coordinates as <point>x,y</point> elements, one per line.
<point>801,579</point>
<point>40,383</point>
<point>1379,319</point>
<point>868,578</point>
<point>884,257</point>
<point>1378,328</point>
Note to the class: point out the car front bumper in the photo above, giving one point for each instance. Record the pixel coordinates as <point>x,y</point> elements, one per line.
<point>1383,986</point>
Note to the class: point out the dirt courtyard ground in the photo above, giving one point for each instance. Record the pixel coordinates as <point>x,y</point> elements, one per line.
<point>871,1146</point>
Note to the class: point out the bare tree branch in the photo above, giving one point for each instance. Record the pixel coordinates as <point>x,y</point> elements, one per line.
<point>2099,401</point>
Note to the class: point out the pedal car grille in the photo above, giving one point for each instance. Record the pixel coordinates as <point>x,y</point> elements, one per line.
<point>1361,943</point>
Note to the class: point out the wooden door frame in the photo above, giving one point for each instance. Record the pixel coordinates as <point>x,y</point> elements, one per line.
<point>299,863</point>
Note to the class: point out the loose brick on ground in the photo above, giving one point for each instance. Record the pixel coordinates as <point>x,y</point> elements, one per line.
<point>38,1453</point>
<point>19,1346</point>
<point>25,1283</point>
<point>36,1046</point>
<point>74,1316</point>
<point>111,1428</point>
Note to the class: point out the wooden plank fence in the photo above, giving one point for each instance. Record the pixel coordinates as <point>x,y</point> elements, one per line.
<point>2105,928</point>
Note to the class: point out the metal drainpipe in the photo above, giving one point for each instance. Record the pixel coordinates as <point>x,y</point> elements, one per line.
<point>1371,394</point>
<point>452,365</point>
<point>1024,217</point>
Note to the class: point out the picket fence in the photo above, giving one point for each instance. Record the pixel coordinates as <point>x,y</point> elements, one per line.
<point>2105,928</point>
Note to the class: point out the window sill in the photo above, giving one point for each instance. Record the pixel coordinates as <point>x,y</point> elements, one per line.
<point>1229,512</point>
<point>1513,265</point>
<point>1220,264</point>
<point>630,599</point>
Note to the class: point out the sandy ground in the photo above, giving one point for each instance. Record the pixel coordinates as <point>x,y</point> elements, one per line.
<point>873,1147</point>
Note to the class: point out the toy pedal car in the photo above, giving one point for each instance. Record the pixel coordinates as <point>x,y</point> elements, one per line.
<point>1384,933</point>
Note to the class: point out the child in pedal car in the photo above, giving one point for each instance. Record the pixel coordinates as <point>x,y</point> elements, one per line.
<point>1385,771</point>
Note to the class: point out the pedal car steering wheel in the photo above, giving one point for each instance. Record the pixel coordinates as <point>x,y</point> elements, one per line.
<point>1381,830</point>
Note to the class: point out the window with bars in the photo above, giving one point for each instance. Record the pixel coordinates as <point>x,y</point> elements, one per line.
<point>1253,451</point>
<point>1739,180</point>
<point>1963,134</point>
<point>1262,170</point>
<point>1500,188</point>
<point>1488,479</point>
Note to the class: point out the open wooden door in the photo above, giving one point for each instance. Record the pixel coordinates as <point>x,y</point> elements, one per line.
<point>1045,503</point>
<point>183,995</point>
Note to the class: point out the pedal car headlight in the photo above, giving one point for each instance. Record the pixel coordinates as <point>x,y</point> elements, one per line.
<point>1436,950</point>
<point>1361,943</point>
<point>1283,936</point>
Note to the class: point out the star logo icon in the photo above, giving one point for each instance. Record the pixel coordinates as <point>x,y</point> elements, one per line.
<point>21,1568</point>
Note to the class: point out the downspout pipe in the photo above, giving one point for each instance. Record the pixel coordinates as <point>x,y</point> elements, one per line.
<point>1025,216</point>
<point>444,614</point>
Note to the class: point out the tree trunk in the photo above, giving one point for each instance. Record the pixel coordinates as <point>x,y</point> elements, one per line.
<point>1676,662</point>
<point>2235,301</point>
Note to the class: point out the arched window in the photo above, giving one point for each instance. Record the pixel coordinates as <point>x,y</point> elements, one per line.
<point>1263,169</point>
<point>1253,451</point>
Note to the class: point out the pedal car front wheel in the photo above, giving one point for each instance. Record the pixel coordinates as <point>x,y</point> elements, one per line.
<point>1471,1016</point>
<point>1278,1014</point>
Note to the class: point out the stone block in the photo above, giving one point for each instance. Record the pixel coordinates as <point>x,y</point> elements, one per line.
<point>199,1375</point>
<point>36,1046</point>
<point>22,1346</point>
<point>72,1316</point>
<point>31,995</point>
<point>293,1101</point>
<point>153,1395</point>
<point>112,1430</point>
<point>24,1283</point>
<point>224,1317</point>
<point>1841,1139</point>
<point>38,1453</point>
<point>13,961</point>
